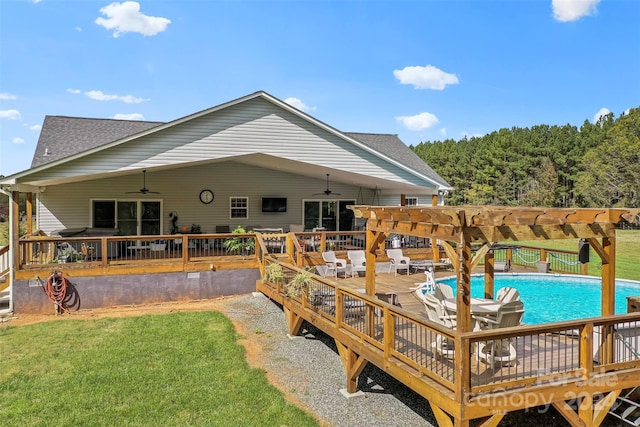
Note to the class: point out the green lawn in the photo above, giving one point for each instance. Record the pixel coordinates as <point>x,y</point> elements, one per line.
<point>627,253</point>
<point>182,369</point>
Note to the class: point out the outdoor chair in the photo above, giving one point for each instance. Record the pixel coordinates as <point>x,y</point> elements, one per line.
<point>397,261</point>
<point>508,294</point>
<point>358,262</point>
<point>500,350</point>
<point>333,265</point>
<point>436,313</point>
<point>443,291</point>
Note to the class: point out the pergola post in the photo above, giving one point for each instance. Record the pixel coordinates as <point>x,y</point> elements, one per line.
<point>489,274</point>
<point>435,251</point>
<point>463,296</point>
<point>609,276</point>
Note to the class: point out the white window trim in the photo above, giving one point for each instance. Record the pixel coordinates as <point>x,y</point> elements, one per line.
<point>231,207</point>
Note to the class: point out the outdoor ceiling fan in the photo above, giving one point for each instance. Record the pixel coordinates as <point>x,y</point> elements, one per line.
<point>328,191</point>
<point>144,189</point>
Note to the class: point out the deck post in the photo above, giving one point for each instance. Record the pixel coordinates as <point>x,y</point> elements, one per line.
<point>435,250</point>
<point>14,231</point>
<point>353,365</point>
<point>29,213</point>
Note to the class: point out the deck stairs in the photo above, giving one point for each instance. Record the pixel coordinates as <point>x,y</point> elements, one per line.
<point>627,406</point>
<point>627,409</point>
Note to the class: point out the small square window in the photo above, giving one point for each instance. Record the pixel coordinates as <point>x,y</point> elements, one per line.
<point>238,207</point>
<point>411,201</point>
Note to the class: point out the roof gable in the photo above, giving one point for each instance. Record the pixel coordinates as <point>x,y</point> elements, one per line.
<point>67,139</point>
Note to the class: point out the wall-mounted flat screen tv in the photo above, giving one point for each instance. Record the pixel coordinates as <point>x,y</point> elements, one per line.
<point>274,204</point>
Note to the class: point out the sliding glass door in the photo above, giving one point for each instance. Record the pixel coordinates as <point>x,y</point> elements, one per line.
<point>333,215</point>
<point>131,217</point>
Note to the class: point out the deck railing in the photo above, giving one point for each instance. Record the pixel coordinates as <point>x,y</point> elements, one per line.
<point>547,354</point>
<point>559,261</point>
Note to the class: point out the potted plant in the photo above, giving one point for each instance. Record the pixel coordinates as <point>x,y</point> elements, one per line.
<point>301,284</point>
<point>274,273</point>
<point>242,245</point>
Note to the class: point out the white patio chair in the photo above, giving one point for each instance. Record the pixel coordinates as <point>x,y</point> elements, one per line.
<point>358,262</point>
<point>500,350</point>
<point>508,294</point>
<point>333,265</point>
<point>443,291</point>
<point>397,261</point>
<point>435,312</point>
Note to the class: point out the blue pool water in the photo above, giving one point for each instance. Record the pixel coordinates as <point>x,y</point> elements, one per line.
<point>550,298</point>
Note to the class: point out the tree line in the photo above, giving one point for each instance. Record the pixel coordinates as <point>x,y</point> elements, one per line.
<point>596,165</point>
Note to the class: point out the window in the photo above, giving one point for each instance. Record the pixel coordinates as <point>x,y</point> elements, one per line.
<point>238,207</point>
<point>411,201</point>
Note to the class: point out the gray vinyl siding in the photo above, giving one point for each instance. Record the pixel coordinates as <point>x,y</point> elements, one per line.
<point>256,126</point>
<point>69,205</point>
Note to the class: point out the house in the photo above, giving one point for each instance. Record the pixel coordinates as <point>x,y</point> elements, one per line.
<point>253,162</point>
<point>89,172</point>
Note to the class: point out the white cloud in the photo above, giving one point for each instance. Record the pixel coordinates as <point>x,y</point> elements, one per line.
<point>126,17</point>
<point>98,95</point>
<point>428,77</point>
<point>17,140</point>
<point>35,127</point>
<point>419,121</point>
<point>78,29</point>
<point>297,103</point>
<point>572,10</point>
<point>443,131</point>
<point>602,112</point>
<point>132,116</point>
<point>10,114</point>
<point>7,96</point>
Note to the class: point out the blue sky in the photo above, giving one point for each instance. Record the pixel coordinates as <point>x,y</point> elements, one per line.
<point>425,70</point>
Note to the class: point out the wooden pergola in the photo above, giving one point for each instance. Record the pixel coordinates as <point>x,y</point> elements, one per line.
<point>458,227</point>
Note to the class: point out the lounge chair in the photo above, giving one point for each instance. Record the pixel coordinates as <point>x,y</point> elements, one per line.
<point>333,265</point>
<point>358,262</point>
<point>500,350</point>
<point>397,261</point>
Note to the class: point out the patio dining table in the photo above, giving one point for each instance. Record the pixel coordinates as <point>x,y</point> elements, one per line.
<point>479,306</point>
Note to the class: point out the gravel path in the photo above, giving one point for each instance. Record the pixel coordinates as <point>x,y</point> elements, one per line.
<point>310,370</point>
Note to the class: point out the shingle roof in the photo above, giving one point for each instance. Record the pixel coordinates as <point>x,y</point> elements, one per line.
<point>393,147</point>
<point>63,136</point>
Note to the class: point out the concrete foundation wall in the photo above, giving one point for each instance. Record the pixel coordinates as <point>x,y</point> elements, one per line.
<point>98,292</point>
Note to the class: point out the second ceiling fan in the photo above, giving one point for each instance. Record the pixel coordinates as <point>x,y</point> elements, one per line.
<point>328,191</point>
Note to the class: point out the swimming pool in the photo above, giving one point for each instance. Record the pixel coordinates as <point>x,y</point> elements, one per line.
<point>554,298</point>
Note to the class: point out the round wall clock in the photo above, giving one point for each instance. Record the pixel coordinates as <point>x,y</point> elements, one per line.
<point>206,196</point>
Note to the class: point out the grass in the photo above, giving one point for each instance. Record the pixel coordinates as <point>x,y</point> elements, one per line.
<point>181,369</point>
<point>627,250</point>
